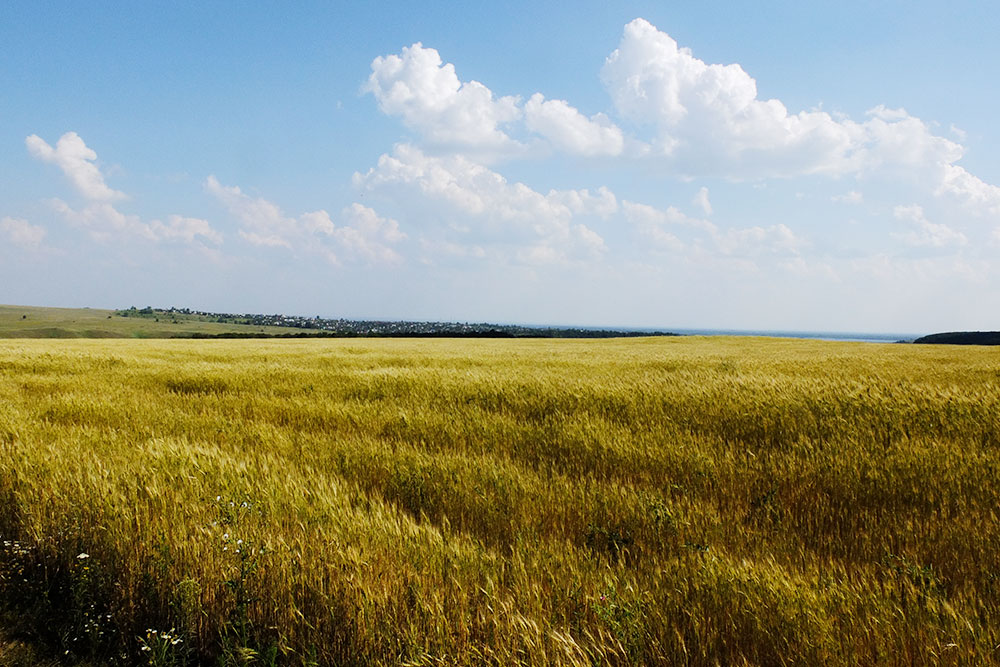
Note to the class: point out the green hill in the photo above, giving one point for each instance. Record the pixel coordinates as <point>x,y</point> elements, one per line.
<point>962,338</point>
<point>36,322</point>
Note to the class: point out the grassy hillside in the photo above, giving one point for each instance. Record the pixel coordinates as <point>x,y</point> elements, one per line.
<point>425,502</point>
<point>37,322</point>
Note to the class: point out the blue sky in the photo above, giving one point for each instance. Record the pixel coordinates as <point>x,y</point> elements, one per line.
<point>807,166</point>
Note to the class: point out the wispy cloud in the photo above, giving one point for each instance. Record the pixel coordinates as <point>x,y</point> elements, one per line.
<point>362,235</point>
<point>20,232</point>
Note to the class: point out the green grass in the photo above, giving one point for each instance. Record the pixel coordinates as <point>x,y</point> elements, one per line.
<point>37,322</point>
<point>701,501</point>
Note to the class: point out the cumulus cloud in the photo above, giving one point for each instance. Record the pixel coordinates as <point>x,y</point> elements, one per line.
<point>707,119</point>
<point>570,131</point>
<point>465,116</point>
<point>21,233</point>
<point>601,202</point>
<point>894,139</point>
<point>429,97</point>
<point>477,190</point>
<point>363,235</point>
<point>98,215</point>
<point>975,194</point>
<point>691,118</point>
<point>77,162</point>
<point>488,207</point>
<point>673,115</point>
<point>694,117</point>
<point>923,232</point>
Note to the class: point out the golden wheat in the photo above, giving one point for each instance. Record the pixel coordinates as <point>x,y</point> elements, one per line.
<point>384,502</point>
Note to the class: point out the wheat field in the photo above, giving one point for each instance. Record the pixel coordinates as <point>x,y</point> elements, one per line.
<point>681,501</point>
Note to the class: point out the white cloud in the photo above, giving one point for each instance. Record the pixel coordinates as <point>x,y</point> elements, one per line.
<point>363,235</point>
<point>707,119</point>
<point>894,139</point>
<point>650,216</point>
<point>851,197</point>
<point>183,229</point>
<point>466,116</point>
<point>99,216</point>
<point>485,209</point>
<point>977,195</point>
<point>77,162</point>
<point>369,235</point>
<point>602,202</point>
<point>746,242</point>
<point>589,239</point>
<point>754,241</point>
<point>21,233</point>
<point>689,117</point>
<point>701,201</point>
<point>318,222</point>
<point>430,98</point>
<point>924,232</point>
<point>654,223</point>
<point>263,222</point>
<point>105,223</point>
<point>570,131</point>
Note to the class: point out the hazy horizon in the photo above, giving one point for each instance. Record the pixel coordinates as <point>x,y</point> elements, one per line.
<point>875,336</point>
<point>772,167</point>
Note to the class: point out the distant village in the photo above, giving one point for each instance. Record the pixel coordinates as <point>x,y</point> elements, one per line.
<point>320,327</point>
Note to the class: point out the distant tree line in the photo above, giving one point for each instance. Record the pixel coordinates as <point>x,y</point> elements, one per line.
<point>336,328</point>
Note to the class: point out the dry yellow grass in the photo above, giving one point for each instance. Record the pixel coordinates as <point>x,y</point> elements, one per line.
<point>426,502</point>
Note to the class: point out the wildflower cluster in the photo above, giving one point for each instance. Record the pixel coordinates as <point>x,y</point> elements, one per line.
<point>22,574</point>
<point>230,511</point>
<point>15,548</point>
<point>13,561</point>
<point>162,648</point>
<point>94,624</point>
<point>91,623</point>
<point>236,544</point>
